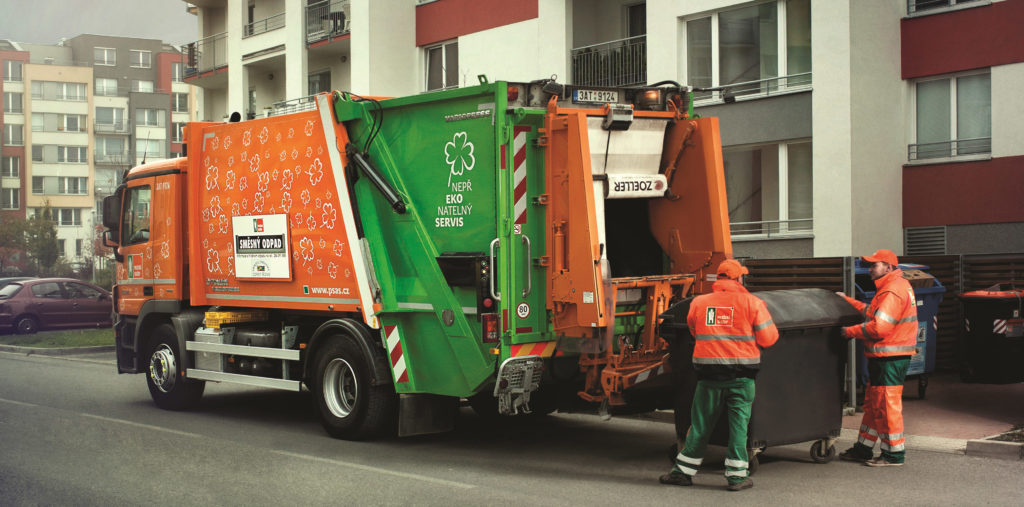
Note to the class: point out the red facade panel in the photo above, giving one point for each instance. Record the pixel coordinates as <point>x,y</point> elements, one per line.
<point>448,19</point>
<point>164,72</point>
<point>983,192</point>
<point>963,40</point>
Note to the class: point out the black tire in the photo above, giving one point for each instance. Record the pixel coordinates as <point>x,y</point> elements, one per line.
<point>922,386</point>
<point>821,455</point>
<point>27,325</point>
<point>349,407</point>
<point>753,464</point>
<point>169,389</point>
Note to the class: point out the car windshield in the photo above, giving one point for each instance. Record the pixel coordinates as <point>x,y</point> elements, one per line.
<point>9,290</point>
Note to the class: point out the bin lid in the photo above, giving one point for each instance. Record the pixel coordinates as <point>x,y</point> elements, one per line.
<point>790,309</point>
<point>1006,290</point>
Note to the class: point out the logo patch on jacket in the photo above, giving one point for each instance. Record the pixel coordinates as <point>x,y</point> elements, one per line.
<point>718,316</point>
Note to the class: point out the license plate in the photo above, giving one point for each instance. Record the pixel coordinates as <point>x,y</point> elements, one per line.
<point>598,96</point>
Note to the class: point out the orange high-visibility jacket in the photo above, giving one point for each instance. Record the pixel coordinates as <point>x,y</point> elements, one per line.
<point>729,324</point>
<point>891,325</point>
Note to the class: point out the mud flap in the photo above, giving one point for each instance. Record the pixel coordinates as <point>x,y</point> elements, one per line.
<point>423,414</point>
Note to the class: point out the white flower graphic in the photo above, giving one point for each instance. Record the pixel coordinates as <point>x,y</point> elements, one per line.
<point>330,216</point>
<point>236,209</point>
<point>165,250</point>
<point>309,128</point>
<point>307,250</point>
<point>212,261</point>
<point>286,202</point>
<point>322,243</point>
<point>206,214</point>
<point>274,174</point>
<point>157,271</point>
<point>309,151</point>
<point>278,138</point>
<point>223,224</point>
<point>214,142</point>
<point>298,219</point>
<point>247,138</point>
<point>319,202</point>
<point>311,223</point>
<point>291,133</point>
<point>264,135</point>
<point>329,195</point>
<point>284,155</point>
<point>206,242</point>
<point>295,153</point>
<point>211,178</point>
<point>254,163</point>
<point>332,270</point>
<point>206,161</point>
<point>305,197</point>
<point>210,227</point>
<point>243,183</point>
<point>348,273</point>
<point>231,265</point>
<point>231,161</point>
<point>339,248</point>
<point>458,153</point>
<point>215,208</point>
<point>245,204</point>
<point>244,157</point>
<point>319,264</point>
<point>287,178</point>
<point>227,142</point>
<point>229,178</point>
<point>258,202</point>
<point>264,182</point>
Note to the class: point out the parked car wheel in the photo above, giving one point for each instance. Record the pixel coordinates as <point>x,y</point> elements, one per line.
<point>169,389</point>
<point>27,325</point>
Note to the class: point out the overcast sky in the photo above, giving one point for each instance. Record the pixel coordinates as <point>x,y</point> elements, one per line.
<point>46,21</point>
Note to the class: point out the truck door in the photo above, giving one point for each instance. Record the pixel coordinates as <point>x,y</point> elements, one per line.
<point>135,274</point>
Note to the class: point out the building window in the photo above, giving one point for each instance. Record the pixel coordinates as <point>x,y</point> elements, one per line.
<point>71,122</point>
<point>73,186</point>
<point>140,59</point>
<point>60,253</point>
<point>37,185</point>
<point>11,198</point>
<point>141,85</point>
<point>111,118</point>
<point>320,82</point>
<point>749,47</point>
<point>12,70</point>
<point>177,72</point>
<point>37,153</point>
<point>71,91</point>
<point>38,122</point>
<point>177,132</point>
<point>179,102</point>
<point>953,117</point>
<point>636,20</point>
<point>442,66</point>
<point>109,148</point>
<point>37,89</point>
<point>13,102</point>
<point>150,117</point>
<point>69,216</point>
<point>149,148</point>
<point>106,86</point>
<point>11,167</point>
<point>14,134</point>
<point>104,56</point>
<point>71,154</point>
<point>78,252</point>
<point>769,189</point>
<point>929,6</point>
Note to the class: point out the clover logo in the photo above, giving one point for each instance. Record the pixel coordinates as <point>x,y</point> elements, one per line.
<point>458,154</point>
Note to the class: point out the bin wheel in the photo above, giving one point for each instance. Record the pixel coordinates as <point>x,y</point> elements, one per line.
<point>922,386</point>
<point>673,451</point>
<point>753,464</point>
<point>819,456</point>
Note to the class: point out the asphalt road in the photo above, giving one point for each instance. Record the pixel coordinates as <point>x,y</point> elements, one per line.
<point>73,432</point>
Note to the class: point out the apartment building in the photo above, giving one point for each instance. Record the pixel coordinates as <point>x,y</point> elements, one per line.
<point>817,100</point>
<point>79,113</point>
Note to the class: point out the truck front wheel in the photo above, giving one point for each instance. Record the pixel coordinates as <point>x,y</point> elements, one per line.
<point>349,407</point>
<point>167,385</point>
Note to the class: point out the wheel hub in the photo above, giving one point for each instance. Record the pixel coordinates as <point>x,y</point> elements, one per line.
<point>162,368</point>
<point>340,387</point>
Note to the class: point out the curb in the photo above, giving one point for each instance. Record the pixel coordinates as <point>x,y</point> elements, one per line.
<point>985,448</point>
<point>40,351</point>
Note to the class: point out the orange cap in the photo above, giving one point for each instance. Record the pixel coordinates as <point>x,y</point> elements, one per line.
<point>886,256</point>
<point>731,269</point>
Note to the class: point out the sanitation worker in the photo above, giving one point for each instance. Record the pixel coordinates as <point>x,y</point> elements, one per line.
<point>889,333</point>
<point>730,326</point>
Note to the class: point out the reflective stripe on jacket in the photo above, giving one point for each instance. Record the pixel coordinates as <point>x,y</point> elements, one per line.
<point>890,328</point>
<point>729,324</point>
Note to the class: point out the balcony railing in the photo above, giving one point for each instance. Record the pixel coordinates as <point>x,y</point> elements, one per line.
<point>110,128</point>
<point>206,54</point>
<point>307,103</point>
<point>917,6</point>
<point>620,62</point>
<point>327,19</point>
<point>948,149</point>
<point>117,159</point>
<point>772,228</point>
<point>761,88</point>
<point>264,25</point>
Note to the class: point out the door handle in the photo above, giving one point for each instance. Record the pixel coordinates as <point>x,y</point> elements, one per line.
<point>495,295</point>
<point>529,272</point>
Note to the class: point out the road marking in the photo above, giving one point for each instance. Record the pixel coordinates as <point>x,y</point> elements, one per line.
<point>141,425</point>
<point>22,403</point>
<point>367,468</point>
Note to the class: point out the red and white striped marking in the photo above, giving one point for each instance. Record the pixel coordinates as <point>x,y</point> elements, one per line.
<point>519,175</point>
<point>395,351</point>
<point>999,326</point>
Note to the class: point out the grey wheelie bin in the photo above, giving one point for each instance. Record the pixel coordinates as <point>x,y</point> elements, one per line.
<point>800,385</point>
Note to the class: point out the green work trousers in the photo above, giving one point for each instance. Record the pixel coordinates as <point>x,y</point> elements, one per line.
<point>711,397</point>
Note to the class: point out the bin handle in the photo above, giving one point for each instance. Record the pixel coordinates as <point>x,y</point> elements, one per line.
<point>529,274</point>
<point>495,295</point>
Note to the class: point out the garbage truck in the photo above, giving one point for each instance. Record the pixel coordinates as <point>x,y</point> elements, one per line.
<point>509,244</point>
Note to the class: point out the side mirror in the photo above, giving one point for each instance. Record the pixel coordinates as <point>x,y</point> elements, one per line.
<point>108,241</point>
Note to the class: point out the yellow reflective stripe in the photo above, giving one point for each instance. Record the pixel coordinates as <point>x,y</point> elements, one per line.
<point>898,348</point>
<point>725,337</point>
<point>727,360</point>
<point>885,316</point>
<point>764,325</point>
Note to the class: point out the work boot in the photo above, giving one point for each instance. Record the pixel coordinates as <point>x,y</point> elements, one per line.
<point>855,454</point>
<point>747,484</point>
<point>676,479</point>
<point>882,462</point>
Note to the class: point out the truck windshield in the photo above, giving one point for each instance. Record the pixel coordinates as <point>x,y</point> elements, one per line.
<point>135,222</point>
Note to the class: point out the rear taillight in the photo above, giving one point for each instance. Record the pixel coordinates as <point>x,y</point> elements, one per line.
<point>489,327</point>
<point>513,93</point>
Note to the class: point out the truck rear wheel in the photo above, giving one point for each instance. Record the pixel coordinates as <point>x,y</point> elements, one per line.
<point>349,407</point>
<point>167,385</point>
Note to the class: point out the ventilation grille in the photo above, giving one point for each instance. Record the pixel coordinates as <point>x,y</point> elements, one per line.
<point>925,240</point>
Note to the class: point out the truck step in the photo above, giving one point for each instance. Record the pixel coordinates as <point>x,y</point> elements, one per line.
<point>234,378</point>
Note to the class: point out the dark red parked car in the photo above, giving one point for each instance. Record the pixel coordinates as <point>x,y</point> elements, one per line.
<point>53,303</point>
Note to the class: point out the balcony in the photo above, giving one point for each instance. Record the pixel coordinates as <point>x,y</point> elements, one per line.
<point>949,149</point>
<point>264,25</point>
<point>111,159</point>
<point>205,55</point>
<point>771,229</point>
<point>620,62</point>
<point>760,88</point>
<point>922,7</point>
<point>307,103</point>
<point>110,128</point>
<point>327,20</point>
